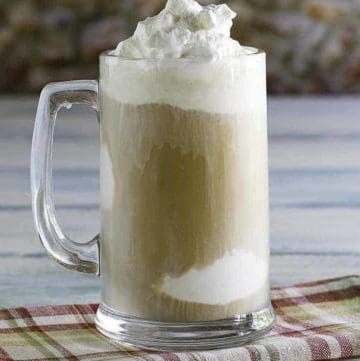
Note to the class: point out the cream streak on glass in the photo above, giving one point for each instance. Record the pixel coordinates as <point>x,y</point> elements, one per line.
<point>184,184</point>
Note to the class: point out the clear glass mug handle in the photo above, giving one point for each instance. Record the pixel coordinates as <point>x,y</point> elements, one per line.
<point>82,257</point>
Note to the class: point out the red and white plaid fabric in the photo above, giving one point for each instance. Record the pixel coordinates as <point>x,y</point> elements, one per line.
<point>316,321</point>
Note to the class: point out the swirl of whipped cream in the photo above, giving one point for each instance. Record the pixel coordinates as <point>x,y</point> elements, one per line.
<point>183,29</point>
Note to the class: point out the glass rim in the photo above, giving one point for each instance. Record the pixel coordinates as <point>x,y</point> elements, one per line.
<point>252,52</point>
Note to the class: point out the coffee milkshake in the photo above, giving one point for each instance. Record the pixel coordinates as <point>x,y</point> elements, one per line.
<point>184,183</point>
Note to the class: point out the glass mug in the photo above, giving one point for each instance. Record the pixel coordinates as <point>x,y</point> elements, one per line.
<point>183,250</point>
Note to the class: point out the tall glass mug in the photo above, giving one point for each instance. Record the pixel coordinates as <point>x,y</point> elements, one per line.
<point>183,250</point>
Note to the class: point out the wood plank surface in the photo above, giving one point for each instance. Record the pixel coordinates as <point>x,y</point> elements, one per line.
<point>314,189</point>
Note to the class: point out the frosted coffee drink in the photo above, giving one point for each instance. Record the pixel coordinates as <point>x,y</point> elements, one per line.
<point>184,183</point>
<point>183,250</point>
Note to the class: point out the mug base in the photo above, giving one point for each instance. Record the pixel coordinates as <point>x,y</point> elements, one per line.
<point>192,336</point>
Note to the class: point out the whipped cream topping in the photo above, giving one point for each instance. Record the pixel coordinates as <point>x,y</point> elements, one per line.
<point>185,57</point>
<point>184,29</point>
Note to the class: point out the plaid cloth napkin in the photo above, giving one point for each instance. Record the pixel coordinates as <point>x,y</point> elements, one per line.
<point>316,321</point>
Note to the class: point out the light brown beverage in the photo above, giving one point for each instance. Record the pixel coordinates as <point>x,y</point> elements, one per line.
<point>184,196</point>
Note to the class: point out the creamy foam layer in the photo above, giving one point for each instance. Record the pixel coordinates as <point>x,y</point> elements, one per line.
<point>184,29</point>
<point>212,86</point>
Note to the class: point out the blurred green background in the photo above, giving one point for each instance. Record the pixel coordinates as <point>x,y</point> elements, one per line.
<point>313,46</point>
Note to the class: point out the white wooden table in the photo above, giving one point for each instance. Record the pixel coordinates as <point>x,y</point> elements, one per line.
<point>315,196</point>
